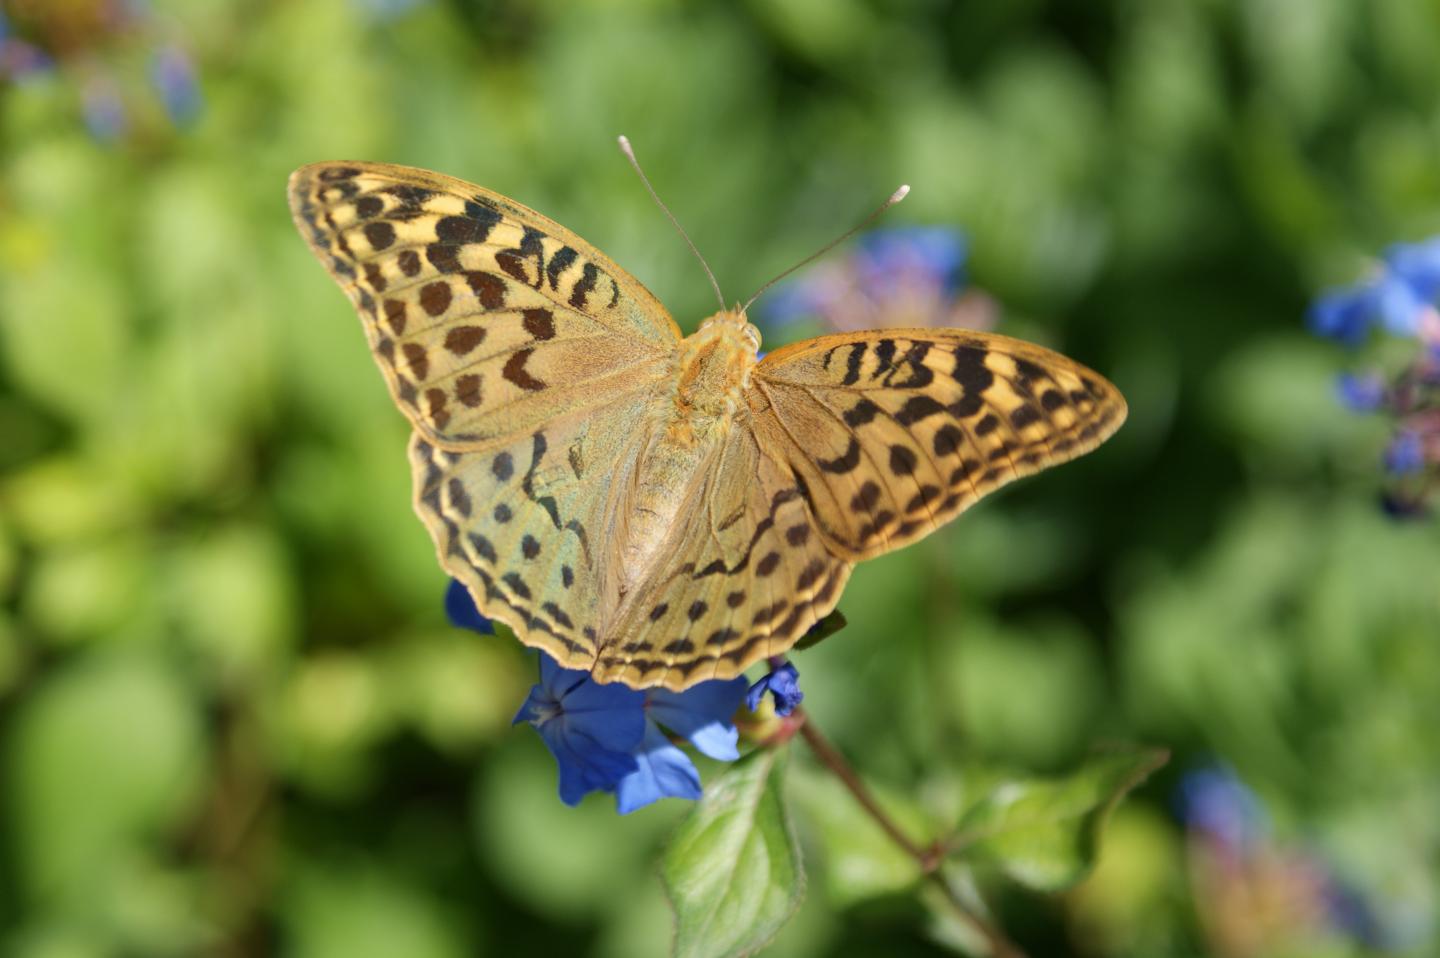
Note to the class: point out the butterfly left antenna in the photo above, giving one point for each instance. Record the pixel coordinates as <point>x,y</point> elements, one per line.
<point>630,155</point>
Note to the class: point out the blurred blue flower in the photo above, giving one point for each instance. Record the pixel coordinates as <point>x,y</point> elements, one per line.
<point>907,276</point>
<point>1216,802</point>
<point>783,683</point>
<point>1246,881</point>
<point>20,60</point>
<point>173,76</point>
<point>461,611</point>
<point>104,111</point>
<point>1399,296</point>
<point>1361,393</point>
<point>1344,314</point>
<point>387,9</point>
<point>887,259</point>
<point>1417,265</point>
<point>590,728</point>
<point>1406,454</point>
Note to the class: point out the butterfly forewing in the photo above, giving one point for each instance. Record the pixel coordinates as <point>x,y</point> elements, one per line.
<point>894,433</point>
<point>525,524</point>
<point>486,318</point>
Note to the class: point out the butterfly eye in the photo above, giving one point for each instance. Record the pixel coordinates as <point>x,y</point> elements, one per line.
<point>752,334</point>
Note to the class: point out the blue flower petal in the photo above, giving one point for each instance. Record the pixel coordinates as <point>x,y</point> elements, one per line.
<point>1399,306</point>
<point>1215,801</point>
<point>591,729</point>
<point>173,76</point>
<point>702,714</point>
<point>584,766</point>
<point>461,611</point>
<point>662,771</point>
<point>782,683</point>
<point>1344,314</point>
<point>1405,454</point>
<point>1416,265</point>
<point>1360,393</point>
<point>937,250</point>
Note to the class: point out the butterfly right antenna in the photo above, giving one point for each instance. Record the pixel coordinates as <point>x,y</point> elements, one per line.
<point>895,197</point>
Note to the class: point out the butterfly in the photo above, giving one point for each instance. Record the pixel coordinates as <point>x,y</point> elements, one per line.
<point>655,509</point>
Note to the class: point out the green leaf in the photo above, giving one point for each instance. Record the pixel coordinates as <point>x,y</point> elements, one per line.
<point>733,870</point>
<point>1045,833</point>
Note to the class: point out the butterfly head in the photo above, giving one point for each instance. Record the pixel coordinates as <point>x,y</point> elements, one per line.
<point>733,325</point>
<point>716,361</point>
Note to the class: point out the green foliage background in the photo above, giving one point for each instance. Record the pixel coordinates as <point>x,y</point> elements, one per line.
<point>232,717</point>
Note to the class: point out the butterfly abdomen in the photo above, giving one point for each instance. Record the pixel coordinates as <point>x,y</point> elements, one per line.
<point>714,366</point>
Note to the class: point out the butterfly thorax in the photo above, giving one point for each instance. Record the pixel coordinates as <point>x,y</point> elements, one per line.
<point>713,370</point>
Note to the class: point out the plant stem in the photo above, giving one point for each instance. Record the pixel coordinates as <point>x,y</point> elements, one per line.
<point>929,859</point>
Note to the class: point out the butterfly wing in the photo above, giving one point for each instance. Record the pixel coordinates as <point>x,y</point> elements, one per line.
<point>522,356</point>
<point>525,525</point>
<point>891,434</point>
<point>745,577</point>
<point>487,319</point>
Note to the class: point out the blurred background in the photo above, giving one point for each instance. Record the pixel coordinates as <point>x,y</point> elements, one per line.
<point>233,718</point>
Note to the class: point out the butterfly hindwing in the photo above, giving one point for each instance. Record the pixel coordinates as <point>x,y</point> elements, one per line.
<point>894,433</point>
<point>525,525</point>
<point>486,318</point>
<point>746,576</point>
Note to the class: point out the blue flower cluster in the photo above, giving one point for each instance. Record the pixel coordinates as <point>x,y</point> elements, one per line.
<point>41,42</point>
<point>612,738</point>
<point>908,276</point>
<point>1243,878</point>
<point>19,59</point>
<point>1401,298</point>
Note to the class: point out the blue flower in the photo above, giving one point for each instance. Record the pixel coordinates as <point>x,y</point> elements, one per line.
<point>1344,314</point>
<point>173,75</point>
<point>20,60</point>
<point>461,611</point>
<point>590,728</point>
<point>910,276</point>
<point>888,258</point>
<point>612,738</point>
<point>702,715</point>
<point>104,111</point>
<point>1216,802</point>
<point>1405,454</point>
<point>783,684</point>
<point>1361,393</point>
<point>1417,265</point>
<point>1399,297</point>
<point>388,9</point>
